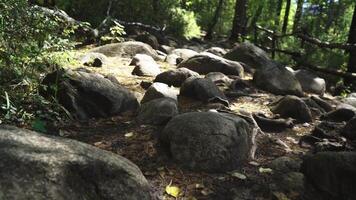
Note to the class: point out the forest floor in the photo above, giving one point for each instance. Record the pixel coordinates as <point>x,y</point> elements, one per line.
<point>139,143</point>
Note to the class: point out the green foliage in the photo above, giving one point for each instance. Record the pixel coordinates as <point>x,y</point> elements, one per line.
<point>183,24</point>
<point>114,34</point>
<point>27,37</point>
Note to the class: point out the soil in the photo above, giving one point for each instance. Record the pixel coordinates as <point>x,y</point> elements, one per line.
<point>138,143</point>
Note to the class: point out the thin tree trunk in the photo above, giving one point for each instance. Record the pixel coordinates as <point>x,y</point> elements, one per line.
<point>278,12</point>
<point>256,15</point>
<point>352,40</point>
<point>240,18</point>
<point>209,34</point>
<point>286,17</point>
<point>331,15</point>
<point>183,4</point>
<point>298,15</point>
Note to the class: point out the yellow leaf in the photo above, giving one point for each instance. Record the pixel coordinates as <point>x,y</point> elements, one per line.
<point>172,190</point>
<point>130,134</point>
<point>239,175</point>
<point>265,170</point>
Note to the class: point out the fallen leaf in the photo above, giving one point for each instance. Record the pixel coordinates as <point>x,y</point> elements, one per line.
<point>130,134</point>
<point>172,190</point>
<point>254,163</point>
<point>206,192</point>
<point>239,175</point>
<point>265,170</point>
<point>280,196</point>
<point>199,186</point>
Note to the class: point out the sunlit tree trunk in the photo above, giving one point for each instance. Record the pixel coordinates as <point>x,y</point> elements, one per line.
<point>240,18</point>
<point>286,17</point>
<point>209,34</point>
<point>298,15</point>
<point>352,40</point>
<point>278,14</point>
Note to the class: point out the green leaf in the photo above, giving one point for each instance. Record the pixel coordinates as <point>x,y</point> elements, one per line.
<point>39,125</point>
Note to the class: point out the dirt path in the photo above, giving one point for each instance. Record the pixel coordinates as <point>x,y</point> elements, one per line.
<point>139,143</point>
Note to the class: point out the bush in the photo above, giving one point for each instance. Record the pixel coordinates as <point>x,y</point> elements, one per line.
<point>27,37</point>
<point>183,23</point>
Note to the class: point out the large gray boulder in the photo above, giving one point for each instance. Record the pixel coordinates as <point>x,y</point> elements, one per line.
<point>205,63</point>
<point>292,106</point>
<point>157,111</point>
<point>310,82</point>
<point>181,54</point>
<point>88,95</point>
<point>159,90</point>
<point>35,166</point>
<point>148,39</point>
<point>207,141</point>
<point>277,80</point>
<point>216,51</point>
<point>332,175</point>
<point>219,78</point>
<point>349,131</point>
<point>350,100</point>
<point>94,59</point>
<point>175,77</point>
<point>249,54</point>
<point>126,49</point>
<point>145,65</point>
<point>203,89</point>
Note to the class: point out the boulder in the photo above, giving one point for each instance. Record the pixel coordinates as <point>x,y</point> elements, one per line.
<point>184,54</point>
<point>36,166</point>
<point>173,59</point>
<point>94,59</point>
<point>88,95</point>
<point>205,63</point>
<point>277,80</point>
<point>219,78</point>
<point>339,115</point>
<point>292,106</point>
<point>157,111</point>
<point>328,130</point>
<point>349,131</point>
<point>350,101</point>
<point>175,77</point>
<point>216,51</point>
<point>166,49</point>
<point>145,65</point>
<point>126,49</point>
<point>207,141</point>
<point>203,89</point>
<point>148,39</point>
<point>331,174</point>
<point>249,54</point>
<point>310,82</point>
<point>159,90</point>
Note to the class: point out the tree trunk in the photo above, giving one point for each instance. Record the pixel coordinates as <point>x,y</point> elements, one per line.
<point>256,15</point>
<point>286,16</point>
<point>240,18</point>
<point>298,15</point>
<point>209,34</point>
<point>155,6</point>
<point>278,16</point>
<point>183,4</point>
<point>352,40</point>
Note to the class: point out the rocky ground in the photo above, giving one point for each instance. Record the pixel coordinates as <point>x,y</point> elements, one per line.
<point>196,140</point>
<point>124,136</point>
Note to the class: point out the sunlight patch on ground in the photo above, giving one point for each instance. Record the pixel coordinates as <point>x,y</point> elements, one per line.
<point>250,105</point>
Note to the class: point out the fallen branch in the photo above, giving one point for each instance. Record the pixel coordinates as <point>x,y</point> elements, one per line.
<point>328,45</point>
<point>340,73</point>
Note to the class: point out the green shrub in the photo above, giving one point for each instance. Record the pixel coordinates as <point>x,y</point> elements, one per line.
<point>183,23</point>
<point>27,37</point>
